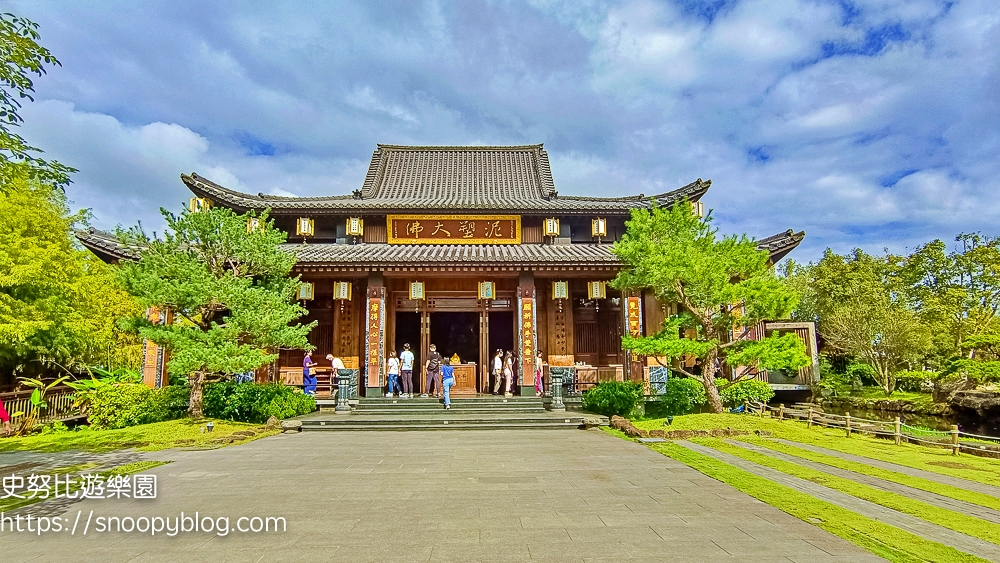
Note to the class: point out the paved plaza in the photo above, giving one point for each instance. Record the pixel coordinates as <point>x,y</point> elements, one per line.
<point>478,495</point>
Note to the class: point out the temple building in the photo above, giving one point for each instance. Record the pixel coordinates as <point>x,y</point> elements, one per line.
<point>470,248</point>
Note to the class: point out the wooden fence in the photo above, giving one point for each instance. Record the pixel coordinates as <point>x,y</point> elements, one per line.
<point>60,400</point>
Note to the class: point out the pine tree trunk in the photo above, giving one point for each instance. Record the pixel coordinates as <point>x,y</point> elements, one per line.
<point>195,404</point>
<point>708,368</point>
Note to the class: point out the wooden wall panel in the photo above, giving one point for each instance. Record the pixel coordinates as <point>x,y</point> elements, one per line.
<point>375,232</point>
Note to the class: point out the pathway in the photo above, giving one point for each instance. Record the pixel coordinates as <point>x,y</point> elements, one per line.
<point>906,470</point>
<point>912,524</point>
<point>934,499</point>
<point>479,495</point>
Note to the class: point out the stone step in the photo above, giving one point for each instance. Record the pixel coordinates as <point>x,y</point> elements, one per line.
<point>440,408</point>
<point>512,425</point>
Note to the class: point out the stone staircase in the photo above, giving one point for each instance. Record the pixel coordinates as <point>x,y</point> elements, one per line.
<point>429,414</point>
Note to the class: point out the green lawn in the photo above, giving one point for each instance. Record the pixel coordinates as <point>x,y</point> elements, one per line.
<point>965,524</point>
<point>184,433</point>
<point>937,460</point>
<point>881,539</point>
<point>896,477</point>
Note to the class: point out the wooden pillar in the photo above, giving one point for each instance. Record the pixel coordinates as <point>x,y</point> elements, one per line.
<point>374,335</point>
<point>527,323</point>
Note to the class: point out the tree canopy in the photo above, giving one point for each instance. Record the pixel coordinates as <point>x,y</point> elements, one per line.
<point>229,290</point>
<point>58,303</point>
<point>718,282</point>
<point>20,57</point>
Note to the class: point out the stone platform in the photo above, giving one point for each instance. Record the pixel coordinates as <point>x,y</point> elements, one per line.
<point>484,412</point>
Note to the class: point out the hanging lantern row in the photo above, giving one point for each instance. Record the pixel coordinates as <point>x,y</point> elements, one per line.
<point>254,225</point>
<point>698,208</point>
<point>305,227</point>
<point>597,290</point>
<point>560,290</point>
<point>487,290</point>
<point>599,227</point>
<point>342,291</point>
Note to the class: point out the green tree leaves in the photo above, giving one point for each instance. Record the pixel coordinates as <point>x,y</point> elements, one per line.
<point>718,283</point>
<point>228,288</point>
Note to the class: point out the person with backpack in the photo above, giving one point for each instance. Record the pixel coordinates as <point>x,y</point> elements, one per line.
<point>432,369</point>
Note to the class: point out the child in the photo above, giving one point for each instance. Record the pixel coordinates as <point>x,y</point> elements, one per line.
<point>447,380</point>
<point>393,370</point>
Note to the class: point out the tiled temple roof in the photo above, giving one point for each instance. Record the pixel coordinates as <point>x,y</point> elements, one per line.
<point>105,245</point>
<point>379,255</point>
<point>405,178</point>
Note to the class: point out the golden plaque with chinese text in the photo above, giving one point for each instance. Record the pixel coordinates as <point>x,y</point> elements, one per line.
<point>454,229</point>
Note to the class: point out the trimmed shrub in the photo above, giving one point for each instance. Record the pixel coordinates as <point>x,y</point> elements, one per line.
<point>614,398</point>
<point>749,390</point>
<point>129,404</point>
<point>682,395</point>
<point>254,402</point>
<point>915,381</point>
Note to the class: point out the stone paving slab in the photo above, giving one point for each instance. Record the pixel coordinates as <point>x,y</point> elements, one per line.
<point>912,524</point>
<point>489,496</point>
<point>934,499</point>
<point>906,470</point>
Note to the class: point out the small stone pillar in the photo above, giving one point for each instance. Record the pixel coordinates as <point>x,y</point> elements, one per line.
<point>343,391</point>
<point>555,381</point>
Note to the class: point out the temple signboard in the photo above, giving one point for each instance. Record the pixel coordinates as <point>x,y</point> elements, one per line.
<point>454,229</point>
<point>634,316</point>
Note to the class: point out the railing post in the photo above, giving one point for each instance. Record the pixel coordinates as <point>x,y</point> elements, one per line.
<point>898,431</point>
<point>954,440</point>
<point>746,406</point>
<point>343,384</point>
<point>809,422</point>
<point>781,411</point>
<point>555,381</point>
<point>847,417</point>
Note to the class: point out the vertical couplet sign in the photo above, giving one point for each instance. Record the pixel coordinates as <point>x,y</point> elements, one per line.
<point>374,342</point>
<point>634,317</point>
<point>527,341</point>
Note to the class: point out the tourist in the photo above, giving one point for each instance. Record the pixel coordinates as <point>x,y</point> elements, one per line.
<point>5,418</point>
<point>432,370</point>
<point>308,379</point>
<point>447,380</point>
<point>393,364</point>
<point>335,363</point>
<point>406,368</point>
<point>538,374</point>
<point>497,371</point>
<point>508,373</point>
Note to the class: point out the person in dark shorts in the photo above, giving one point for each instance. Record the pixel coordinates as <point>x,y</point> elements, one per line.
<point>432,367</point>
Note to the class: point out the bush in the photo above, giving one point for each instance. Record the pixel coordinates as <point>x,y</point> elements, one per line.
<point>614,398</point>
<point>682,395</point>
<point>915,381</point>
<point>746,390</point>
<point>130,404</point>
<point>861,375</point>
<point>254,402</point>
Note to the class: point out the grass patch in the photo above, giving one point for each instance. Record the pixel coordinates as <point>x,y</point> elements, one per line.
<point>901,478</point>
<point>937,460</point>
<point>13,503</point>
<point>184,433</point>
<point>969,525</point>
<point>881,539</point>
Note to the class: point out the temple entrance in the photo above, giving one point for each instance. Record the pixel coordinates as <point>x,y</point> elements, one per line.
<point>501,337</point>
<point>457,334</point>
<point>408,332</point>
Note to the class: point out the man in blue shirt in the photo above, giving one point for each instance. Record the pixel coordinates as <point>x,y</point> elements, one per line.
<point>447,380</point>
<point>406,359</point>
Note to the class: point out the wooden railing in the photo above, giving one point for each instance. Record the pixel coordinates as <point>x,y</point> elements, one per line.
<point>60,401</point>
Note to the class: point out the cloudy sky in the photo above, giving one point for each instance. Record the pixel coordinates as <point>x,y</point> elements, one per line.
<point>871,123</point>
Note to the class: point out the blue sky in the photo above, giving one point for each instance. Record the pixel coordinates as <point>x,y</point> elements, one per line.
<point>865,123</point>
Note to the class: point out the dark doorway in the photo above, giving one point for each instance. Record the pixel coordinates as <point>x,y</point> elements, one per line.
<point>408,332</point>
<point>456,333</point>
<point>501,337</point>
